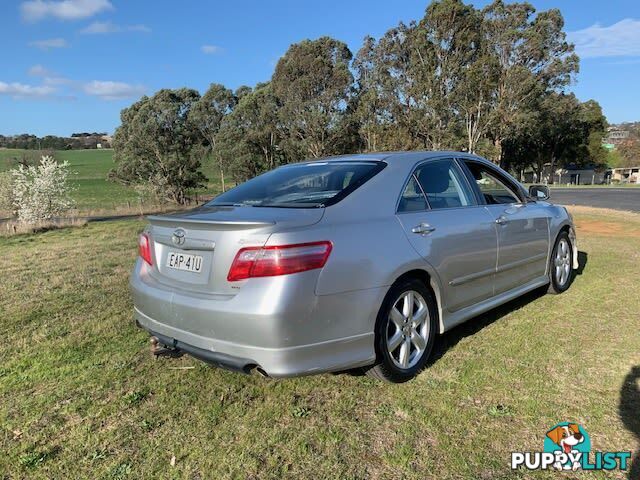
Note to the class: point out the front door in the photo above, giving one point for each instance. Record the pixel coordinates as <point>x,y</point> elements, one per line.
<point>522,227</point>
<point>447,227</point>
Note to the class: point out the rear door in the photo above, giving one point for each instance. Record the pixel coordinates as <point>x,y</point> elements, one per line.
<point>523,227</point>
<point>443,221</point>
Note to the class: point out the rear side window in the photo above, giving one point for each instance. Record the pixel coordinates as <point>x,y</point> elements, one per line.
<point>412,199</point>
<point>307,185</point>
<point>436,184</point>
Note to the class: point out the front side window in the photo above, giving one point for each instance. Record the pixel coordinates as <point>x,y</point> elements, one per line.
<point>306,185</point>
<point>494,190</point>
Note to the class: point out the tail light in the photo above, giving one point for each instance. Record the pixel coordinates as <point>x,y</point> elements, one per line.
<point>278,260</point>
<point>144,248</point>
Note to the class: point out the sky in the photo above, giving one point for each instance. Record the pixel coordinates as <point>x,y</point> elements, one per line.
<point>73,65</point>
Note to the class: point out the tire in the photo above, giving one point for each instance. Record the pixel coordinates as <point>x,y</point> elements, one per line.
<point>403,345</point>
<point>560,265</point>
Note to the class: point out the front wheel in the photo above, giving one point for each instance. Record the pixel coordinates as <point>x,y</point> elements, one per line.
<point>405,332</point>
<point>560,268</point>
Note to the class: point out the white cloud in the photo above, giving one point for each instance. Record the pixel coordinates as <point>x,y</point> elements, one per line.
<point>57,80</point>
<point>109,90</point>
<point>97,28</point>
<point>211,49</point>
<point>49,43</point>
<point>619,39</point>
<point>21,90</point>
<point>49,77</point>
<point>34,10</point>
<point>39,71</point>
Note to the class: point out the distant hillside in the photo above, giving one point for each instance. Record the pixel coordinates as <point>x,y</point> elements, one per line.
<point>77,141</point>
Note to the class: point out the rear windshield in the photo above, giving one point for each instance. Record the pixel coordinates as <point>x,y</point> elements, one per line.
<point>306,185</point>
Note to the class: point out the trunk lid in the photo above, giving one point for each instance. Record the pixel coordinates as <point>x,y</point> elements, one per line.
<point>210,238</point>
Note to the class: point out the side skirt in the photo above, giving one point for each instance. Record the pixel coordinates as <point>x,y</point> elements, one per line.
<point>456,318</point>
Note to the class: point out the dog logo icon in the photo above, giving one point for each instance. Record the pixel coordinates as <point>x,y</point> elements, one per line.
<point>570,439</point>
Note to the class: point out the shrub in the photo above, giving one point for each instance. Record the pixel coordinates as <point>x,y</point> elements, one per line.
<point>41,192</point>
<point>6,193</point>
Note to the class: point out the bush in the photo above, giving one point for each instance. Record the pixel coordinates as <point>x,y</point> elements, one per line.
<point>41,192</point>
<point>6,193</point>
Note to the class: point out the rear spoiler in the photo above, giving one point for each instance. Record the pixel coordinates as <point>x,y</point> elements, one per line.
<point>239,224</point>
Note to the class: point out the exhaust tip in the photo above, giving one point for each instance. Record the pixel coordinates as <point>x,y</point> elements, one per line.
<point>255,370</point>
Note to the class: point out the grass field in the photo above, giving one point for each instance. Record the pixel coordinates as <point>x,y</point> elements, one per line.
<point>93,193</point>
<point>81,397</point>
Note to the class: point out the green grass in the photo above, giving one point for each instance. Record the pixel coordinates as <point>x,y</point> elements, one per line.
<point>81,397</point>
<point>92,190</point>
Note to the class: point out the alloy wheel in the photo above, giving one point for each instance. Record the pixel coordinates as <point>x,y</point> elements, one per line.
<point>562,262</point>
<point>408,329</point>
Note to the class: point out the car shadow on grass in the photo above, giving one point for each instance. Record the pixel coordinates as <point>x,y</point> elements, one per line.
<point>629,411</point>
<point>452,337</point>
<point>582,262</point>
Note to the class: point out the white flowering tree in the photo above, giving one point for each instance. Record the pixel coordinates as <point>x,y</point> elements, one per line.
<point>41,192</point>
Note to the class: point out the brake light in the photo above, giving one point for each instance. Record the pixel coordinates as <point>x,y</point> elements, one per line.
<point>278,260</point>
<point>144,248</point>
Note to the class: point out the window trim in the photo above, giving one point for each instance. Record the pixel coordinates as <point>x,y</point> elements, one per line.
<point>463,173</point>
<point>424,195</point>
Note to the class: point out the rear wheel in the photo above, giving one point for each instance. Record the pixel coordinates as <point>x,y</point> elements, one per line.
<point>560,269</point>
<point>405,332</point>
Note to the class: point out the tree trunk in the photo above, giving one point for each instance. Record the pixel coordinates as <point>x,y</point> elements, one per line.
<point>539,170</point>
<point>222,179</point>
<point>497,143</point>
<point>553,168</point>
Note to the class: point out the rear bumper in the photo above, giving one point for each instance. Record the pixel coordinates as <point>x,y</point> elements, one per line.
<point>282,327</point>
<point>295,361</point>
<point>217,359</point>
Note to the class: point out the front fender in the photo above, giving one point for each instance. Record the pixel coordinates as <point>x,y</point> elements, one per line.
<point>561,220</point>
<point>574,245</point>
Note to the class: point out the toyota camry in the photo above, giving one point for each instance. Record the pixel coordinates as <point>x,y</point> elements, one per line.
<point>345,262</point>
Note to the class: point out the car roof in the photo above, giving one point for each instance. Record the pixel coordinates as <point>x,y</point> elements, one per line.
<point>394,156</point>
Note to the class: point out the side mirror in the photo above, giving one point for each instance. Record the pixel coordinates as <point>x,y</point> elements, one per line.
<point>539,192</point>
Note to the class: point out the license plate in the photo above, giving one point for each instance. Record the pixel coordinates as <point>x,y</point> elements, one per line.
<point>184,261</point>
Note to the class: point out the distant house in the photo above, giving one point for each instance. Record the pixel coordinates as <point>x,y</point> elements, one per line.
<point>623,175</point>
<point>579,175</point>
<point>615,136</point>
<point>571,174</point>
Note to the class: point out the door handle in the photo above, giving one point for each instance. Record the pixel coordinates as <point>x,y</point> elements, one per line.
<point>502,220</point>
<point>423,229</point>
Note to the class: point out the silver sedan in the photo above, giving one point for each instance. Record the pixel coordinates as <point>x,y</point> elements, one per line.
<point>353,261</point>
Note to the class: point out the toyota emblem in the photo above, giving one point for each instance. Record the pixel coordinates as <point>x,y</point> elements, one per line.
<point>178,236</point>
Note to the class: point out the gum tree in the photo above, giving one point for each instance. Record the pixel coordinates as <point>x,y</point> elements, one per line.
<point>159,144</point>
<point>312,83</point>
